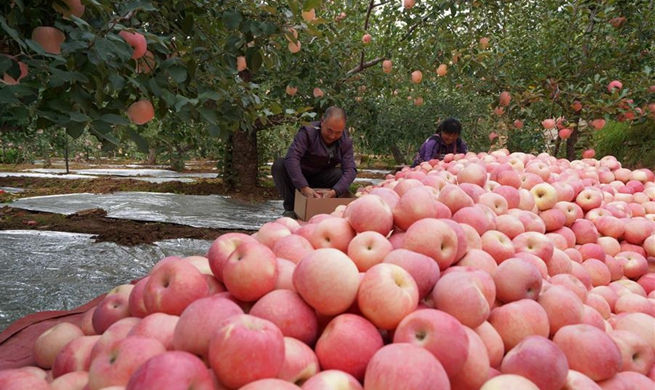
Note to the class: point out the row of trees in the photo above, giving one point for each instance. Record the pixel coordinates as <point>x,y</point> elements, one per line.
<point>554,58</point>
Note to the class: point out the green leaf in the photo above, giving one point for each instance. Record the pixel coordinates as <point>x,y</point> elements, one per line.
<point>232,19</point>
<point>214,130</point>
<point>114,119</point>
<point>78,117</point>
<point>309,4</point>
<point>11,32</point>
<point>101,128</point>
<point>117,81</point>
<point>6,96</point>
<point>154,87</point>
<point>137,5</point>
<point>208,114</point>
<point>75,130</point>
<point>187,24</point>
<point>209,95</point>
<point>178,73</point>
<point>141,143</point>
<point>254,59</point>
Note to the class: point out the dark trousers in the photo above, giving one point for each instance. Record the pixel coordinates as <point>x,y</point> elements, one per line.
<point>324,179</point>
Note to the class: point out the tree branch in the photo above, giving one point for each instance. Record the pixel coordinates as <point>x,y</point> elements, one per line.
<point>364,65</point>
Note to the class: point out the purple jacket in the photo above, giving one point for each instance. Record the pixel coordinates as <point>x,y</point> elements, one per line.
<point>307,155</point>
<point>435,148</point>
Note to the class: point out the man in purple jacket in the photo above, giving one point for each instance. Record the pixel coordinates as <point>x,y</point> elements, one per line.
<point>321,156</point>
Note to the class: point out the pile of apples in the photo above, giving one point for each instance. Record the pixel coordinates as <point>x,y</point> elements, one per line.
<point>479,271</point>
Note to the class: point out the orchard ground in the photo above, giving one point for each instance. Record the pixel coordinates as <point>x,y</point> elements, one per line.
<point>120,231</point>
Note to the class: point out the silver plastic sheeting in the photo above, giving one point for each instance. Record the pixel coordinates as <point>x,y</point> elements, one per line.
<point>131,173</point>
<point>211,211</point>
<point>43,270</point>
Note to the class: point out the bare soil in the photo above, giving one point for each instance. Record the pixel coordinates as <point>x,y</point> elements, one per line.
<point>95,221</point>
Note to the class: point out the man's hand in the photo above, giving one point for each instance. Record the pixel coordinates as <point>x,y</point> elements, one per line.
<point>329,194</point>
<point>310,193</point>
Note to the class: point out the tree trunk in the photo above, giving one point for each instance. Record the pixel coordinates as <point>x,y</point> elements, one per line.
<point>570,145</point>
<point>397,154</point>
<point>152,156</point>
<point>244,162</point>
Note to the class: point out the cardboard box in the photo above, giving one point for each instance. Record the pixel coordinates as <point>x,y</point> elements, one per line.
<point>305,208</point>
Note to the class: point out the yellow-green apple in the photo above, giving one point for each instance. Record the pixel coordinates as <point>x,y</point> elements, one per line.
<point>510,225</point>
<point>285,269</point>
<point>332,380</point>
<point>493,343</point>
<point>300,361</point>
<point>477,258</point>
<point>454,197</point>
<point>634,303</point>
<point>474,217</point>
<point>115,366</point>
<point>159,326</point>
<point>638,229</point>
<point>327,280</point>
<point>589,198</point>
<point>111,309</point>
<point>387,293</point>
<point>422,268</point>
<point>636,354</point>
<point>404,366</point>
<point>287,310</point>
<point>270,232</point>
<point>598,303</point>
<point>639,323</point>
<point>517,279</point>
<point>495,202</point>
<point>545,196</point>
<point>172,287</point>
<point>598,271</point>
<point>113,334</point>
<point>18,379</point>
<point>49,343</point>
<point>438,332</point>
<point>198,321</point>
<point>538,359</point>
<point>476,369</point>
<point>589,350</point>
<point>368,249</point>
<point>468,294</point>
<point>250,272</point>
<point>434,238</point>
<point>517,320</point>
<point>74,356</point>
<point>562,306</point>
<point>511,195</point>
<point>347,344</point>
<point>473,173</point>
<point>121,289</point>
<point>245,348</point>
<point>292,247</point>
<point>332,233</point>
<point>172,370</point>
<point>76,380</point>
<point>369,213</point>
<point>498,245</point>
<point>509,381</point>
<point>221,248</point>
<point>136,303</point>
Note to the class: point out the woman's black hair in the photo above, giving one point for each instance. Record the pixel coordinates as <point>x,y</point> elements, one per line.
<point>450,126</point>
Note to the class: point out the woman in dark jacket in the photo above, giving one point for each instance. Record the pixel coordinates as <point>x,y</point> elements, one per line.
<point>446,140</point>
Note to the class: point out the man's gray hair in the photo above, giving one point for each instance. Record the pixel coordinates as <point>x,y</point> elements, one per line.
<point>335,112</point>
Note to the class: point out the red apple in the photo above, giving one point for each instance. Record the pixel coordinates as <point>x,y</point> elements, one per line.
<point>170,371</point>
